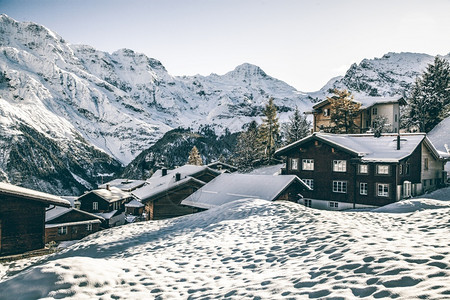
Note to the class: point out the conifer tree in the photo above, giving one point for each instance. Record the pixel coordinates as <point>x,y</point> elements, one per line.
<point>248,150</point>
<point>297,128</point>
<point>429,98</point>
<point>194,157</point>
<point>344,111</point>
<point>269,132</point>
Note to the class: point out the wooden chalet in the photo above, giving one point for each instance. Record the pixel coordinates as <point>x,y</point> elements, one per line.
<point>66,224</point>
<point>371,107</point>
<point>164,191</point>
<point>107,203</point>
<point>230,187</point>
<point>357,171</point>
<point>22,218</point>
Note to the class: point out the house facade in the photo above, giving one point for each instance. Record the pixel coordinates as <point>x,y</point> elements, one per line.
<point>371,108</point>
<point>359,171</point>
<point>22,218</point>
<point>164,191</point>
<point>107,203</point>
<point>66,224</point>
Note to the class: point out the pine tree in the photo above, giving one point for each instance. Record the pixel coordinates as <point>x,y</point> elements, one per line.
<point>248,149</point>
<point>343,113</point>
<point>297,128</point>
<point>380,125</point>
<point>430,96</point>
<point>195,158</point>
<point>269,132</point>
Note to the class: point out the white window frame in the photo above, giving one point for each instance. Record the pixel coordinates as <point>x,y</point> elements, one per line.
<point>308,164</point>
<point>62,230</point>
<point>363,188</point>
<point>333,204</point>
<point>116,205</point>
<point>340,186</point>
<point>340,166</point>
<point>94,205</point>
<point>383,169</point>
<point>406,189</point>
<point>374,111</point>
<point>326,112</point>
<point>384,192</point>
<point>88,227</point>
<point>363,169</point>
<point>309,182</point>
<point>294,163</point>
<point>307,202</point>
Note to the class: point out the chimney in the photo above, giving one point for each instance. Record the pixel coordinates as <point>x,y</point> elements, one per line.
<point>163,172</point>
<point>398,141</point>
<point>177,177</point>
<point>107,186</point>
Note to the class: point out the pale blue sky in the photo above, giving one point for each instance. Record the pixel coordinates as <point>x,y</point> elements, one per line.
<point>304,43</point>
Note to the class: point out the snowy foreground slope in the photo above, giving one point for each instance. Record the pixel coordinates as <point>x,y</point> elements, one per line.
<point>254,249</point>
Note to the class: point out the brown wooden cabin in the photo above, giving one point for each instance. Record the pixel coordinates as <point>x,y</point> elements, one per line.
<point>106,203</point>
<point>66,224</point>
<point>360,171</point>
<point>22,218</point>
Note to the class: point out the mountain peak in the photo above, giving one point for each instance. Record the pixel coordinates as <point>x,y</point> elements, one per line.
<point>247,70</point>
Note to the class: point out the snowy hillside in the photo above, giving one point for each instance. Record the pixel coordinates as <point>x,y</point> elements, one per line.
<point>253,249</point>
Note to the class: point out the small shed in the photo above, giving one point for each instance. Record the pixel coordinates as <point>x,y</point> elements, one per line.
<point>134,207</point>
<point>22,218</point>
<point>231,187</point>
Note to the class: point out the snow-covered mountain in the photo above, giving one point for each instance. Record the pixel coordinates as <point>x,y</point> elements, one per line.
<point>91,103</point>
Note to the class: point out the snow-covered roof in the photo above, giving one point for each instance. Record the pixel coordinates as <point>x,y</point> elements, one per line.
<point>162,186</point>
<point>367,101</point>
<point>368,147</point>
<point>56,212</point>
<point>112,195</point>
<point>107,215</point>
<point>126,185</point>
<point>73,223</point>
<point>134,203</point>
<point>230,187</point>
<point>223,165</point>
<point>17,191</point>
<point>186,170</point>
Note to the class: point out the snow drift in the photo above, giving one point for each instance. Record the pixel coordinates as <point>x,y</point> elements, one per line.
<point>251,249</point>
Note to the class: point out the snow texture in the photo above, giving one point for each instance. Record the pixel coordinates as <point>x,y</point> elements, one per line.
<point>9,189</point>
<point>252,248</point>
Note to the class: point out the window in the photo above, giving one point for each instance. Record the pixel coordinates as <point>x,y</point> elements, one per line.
<point>363,169</point>
<point>400,169</point>
<point>94,205</point>
<point>382,169</point>
<point>326,112</point>
<point>308,202</point>
<point>333,204</point>
<point>407,169</point>
<point>339,166</point>
<point>395,118</point>
<point>374,111</point>
<point>406,189</point>
<point>383,190</point>
<point>425,163</point>
<point>363,188</point>
<point>116,205</point>
<point>89,227</point>
<point>62,230</point>
<point>308,164</point>
<point>294,163</point>
<point>309,182</point>
<point>340,186</point>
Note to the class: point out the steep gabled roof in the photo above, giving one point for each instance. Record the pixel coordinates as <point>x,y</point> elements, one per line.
<point>149,191</point>
<point>368,147</point>
<point>17,191</point>
<point>126,185</point>
<point>56,212</point>
<point>112,195</point>
<point>229,187</point>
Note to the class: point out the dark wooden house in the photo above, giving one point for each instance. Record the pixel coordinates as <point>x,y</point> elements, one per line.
<point>164,191</point>
<point>107,203</point>
<point>357,171</point>
<point>230,187</point>
<point>22,218</point>
<point>66,224</point>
